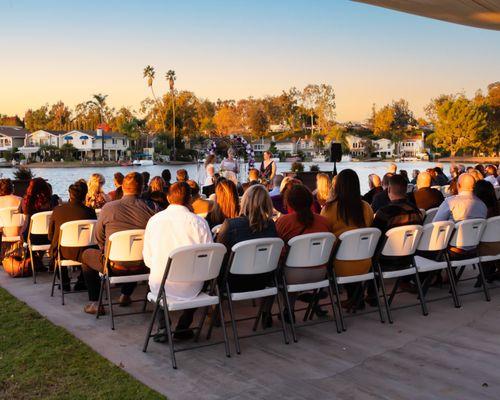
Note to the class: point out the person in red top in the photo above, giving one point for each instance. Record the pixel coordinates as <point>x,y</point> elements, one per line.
<point>300,220</point>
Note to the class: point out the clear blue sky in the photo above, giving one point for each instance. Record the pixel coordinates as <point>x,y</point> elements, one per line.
<point>55,50</point>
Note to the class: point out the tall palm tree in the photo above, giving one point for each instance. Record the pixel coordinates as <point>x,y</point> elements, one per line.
<point>170,76</point>
<point>99,101</point>
<point>149,73</point>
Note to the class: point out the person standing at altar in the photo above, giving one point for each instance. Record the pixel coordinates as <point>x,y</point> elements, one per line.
<point>230,163</point>
<point>268,166</point>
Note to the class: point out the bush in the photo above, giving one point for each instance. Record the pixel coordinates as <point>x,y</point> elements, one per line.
<point>314,168</point>
<point>23,174</point>
<point>297,166</point>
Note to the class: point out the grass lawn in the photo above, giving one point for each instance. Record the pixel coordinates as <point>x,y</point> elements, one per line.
<point>39,360</point>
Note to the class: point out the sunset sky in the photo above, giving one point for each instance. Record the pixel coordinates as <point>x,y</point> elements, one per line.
<point>54,50</point>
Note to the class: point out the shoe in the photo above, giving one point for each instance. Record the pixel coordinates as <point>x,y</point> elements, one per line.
<point>184,335</point>
<point>91,308</point>
<point>79,286</point>
<point>125,300</point>
<point>161,336</point>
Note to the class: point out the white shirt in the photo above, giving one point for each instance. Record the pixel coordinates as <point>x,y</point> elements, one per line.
<point>166,231</point>
<point>491,179</point>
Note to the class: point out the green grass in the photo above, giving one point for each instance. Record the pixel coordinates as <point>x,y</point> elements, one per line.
<point>39,360</point>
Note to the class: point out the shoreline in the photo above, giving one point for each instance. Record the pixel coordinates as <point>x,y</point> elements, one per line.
<point>475,160</point>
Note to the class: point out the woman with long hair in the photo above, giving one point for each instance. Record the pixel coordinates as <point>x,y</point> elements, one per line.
<point>155,195</point>
<point>346,212</point>
<point>96,198</point>
<point>254,222</point>
<point>485,191</point>
<point>268,166</point>
<point>226,203</point>
<point>323,189</point>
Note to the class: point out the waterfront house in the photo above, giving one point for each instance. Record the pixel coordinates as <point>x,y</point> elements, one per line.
<point>383,147</point>
<point>357,145</point>
<point>11,138</point>
<point>412,147</point>
<point>261,145</point>
<point>43,137</point>
<point>89,144</point>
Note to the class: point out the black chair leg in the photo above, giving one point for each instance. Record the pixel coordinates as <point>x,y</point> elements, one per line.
<point>289,310</point>
<point>169,335</point>
<point>483,281</point>
<point>330,294</point>
<point>99,304</point>
<point>110,303</point>
<point>282,317</point>
<point>384,294</point>
<point>223,325</point>
<point>420,293</point>
<point>233,322</point>
<point>377,296</point>
<point>150,328</point>
<point>339,305</point>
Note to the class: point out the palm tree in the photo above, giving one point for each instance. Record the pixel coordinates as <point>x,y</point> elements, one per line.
<point>149,72</point>
<point>99,101</point>
<point>170,76</point>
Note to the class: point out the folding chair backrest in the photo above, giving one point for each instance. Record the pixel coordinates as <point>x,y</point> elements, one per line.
<point>202,215</point>
<point>410,188</point>
<point>468,233</point>
<point>358,244</point>
<point>77,233</point>
<point>437,187</point>
<point>39,224</point>
<point>402,241</point>
<point>310,250</point>
<point>216,229</point>
<point>97,212</point>
<point>436,236</point>
<point>10,217</point>
<point>445,190</point>
<point>423,213</point>
<point>126,245</point>
<point>256,256</point>
<point>196,263</point>
<point>497,192</point>
<point>492,231</point>
<point>430,214</point>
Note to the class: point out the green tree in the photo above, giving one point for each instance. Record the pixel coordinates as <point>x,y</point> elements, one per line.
<point>37,119</point>
<point>257,120</point>
<point>319,100</point>
<point>459,123</point>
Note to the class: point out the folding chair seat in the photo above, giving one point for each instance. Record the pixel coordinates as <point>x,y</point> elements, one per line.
<point>400,243</point>
<point>434,241</point>
<point>423,212</point>
<point>445,190</point>
<point>308,251</point>
<point>195,263</point>
<point>252,257</point>
<point>491,234</point>
<point>10,217</point>
<point>122,247</point>
<point>355,245</point>
<point>430,214</point>
<point>216,229</point>
<point>467,235</point>
<point>78,233</point>
<point>39,225</point>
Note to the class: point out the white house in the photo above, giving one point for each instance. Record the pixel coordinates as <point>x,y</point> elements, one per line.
<point>44,137</point>
<point>90,144</point>
<point>11,137</point>
<point>306,146</point>
<point>383,147</point>
<point>261,145</point>
<point>412,147</point>
<point>356,145</point>
<point>287,146</point>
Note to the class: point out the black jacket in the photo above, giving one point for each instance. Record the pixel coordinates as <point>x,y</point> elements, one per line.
<point>380,200</point>
<point>368,197</point>
<point>427,198</point>
<point>67,212</point>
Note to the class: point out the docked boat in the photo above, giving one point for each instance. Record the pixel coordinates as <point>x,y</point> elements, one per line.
<point>143,163</point>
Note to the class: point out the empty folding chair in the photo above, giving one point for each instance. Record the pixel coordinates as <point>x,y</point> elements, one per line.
<point>400,245</point>
<point>78,233</point>
<point>491,234</point>
<point>39,225</point>
<point>308,251</point>
<point>434,241</point>
<point>122,247</point>
<point>356,245</point>
<point>195,263</point>
<point>430,214</point>
<point>467,235</point>
<point>252,257</point>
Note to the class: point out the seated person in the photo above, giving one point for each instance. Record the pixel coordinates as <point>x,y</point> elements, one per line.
<point>426,197</point>
<point>73,210</point>
<point>182,175</point>
<point>168,230</point>
<point>253,178</point>
<point>198,205</point>
<point>375,186</point>
<point>8,199</point>
<point>130,212</point>
<point>254,222</point>
<point>381,199</point>
<point>167,176</point>
<point>118,192</point>
<point>275,191</point>
<point>155,196</point>
<point>491,175</point>
<point>226,205</point>
<point>345,212</point>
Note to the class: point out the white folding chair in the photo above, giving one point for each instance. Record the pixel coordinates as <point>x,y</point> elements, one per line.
<point>410,188</point>
<point>215,230</point>
<point>97,212</point>
<point>202,215</point>
<point>430,214</point>
<point>435,238</point>
<point>467,235</point>
<point>251,257</point>
<point>78,233</point>
<point>308,251</point>
<point>423,213</point>
<point>195,263</point>
<point>355,245</point>
<point>39,225</point>
<point>491,234</point>
<point>122,247</point>
<point>497,192</point>
<point>445,190</point>
<point>10,217</point>
<point>437,187</point>
<point>400,242</point>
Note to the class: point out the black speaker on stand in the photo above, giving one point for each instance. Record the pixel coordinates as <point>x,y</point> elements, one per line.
<point>335,155</point>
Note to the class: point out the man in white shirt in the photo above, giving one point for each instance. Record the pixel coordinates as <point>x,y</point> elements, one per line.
<point>166,231</point>
<point>491,175</point>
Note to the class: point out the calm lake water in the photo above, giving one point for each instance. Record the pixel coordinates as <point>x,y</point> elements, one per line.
<point>61,178</point>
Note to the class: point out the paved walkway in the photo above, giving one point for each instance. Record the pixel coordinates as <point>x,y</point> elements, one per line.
<point>450,354</point>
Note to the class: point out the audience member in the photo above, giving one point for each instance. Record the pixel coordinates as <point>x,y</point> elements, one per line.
<point>323,189</point>
<point>166,231</point>
<point>275,191</point>
<point>96,198</point>
<point>130,212</point>
<point>414,176</point>
<point>426,197</point>
<point>253,178</point>
<point>392,168</point>
<point>145,180</point>
<point>476,174</point>
<point>375,186</point>
<point>441,178</point>
<point>226,204</point>
<point>182,175</point>
<point>117,194</point>
<point>155,196</point>
<point>7,198</point>
<point>491,175</point>
<point>167,177</point>
<point>404,174</point>
<point>381,199</point>
<point>485,192</point>
<point>198,205</point>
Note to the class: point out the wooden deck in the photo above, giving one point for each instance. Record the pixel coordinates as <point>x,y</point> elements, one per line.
<point>450,354</point>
